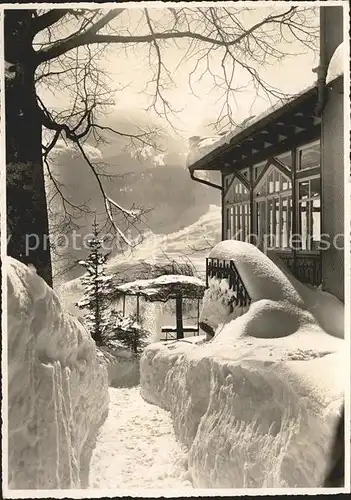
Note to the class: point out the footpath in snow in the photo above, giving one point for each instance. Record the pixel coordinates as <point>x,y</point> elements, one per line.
<point>136,447</point>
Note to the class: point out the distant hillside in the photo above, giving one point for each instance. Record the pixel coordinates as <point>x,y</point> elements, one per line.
<point>158,183</point>
<point>190,246</point>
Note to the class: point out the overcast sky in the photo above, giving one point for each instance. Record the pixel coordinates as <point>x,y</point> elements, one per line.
<point>132,69</point>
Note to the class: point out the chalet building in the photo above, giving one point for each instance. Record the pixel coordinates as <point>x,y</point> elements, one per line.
<point>283,174</point>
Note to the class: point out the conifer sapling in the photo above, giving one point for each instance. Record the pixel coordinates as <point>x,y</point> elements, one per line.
<point>96,287</point>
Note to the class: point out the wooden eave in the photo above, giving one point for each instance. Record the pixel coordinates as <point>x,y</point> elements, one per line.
<point>290,125</point>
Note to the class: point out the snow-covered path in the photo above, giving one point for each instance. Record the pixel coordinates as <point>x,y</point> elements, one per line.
<point>136,447</point>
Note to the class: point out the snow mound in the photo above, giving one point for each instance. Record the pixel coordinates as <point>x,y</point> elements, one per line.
<point>336,64</point>
<point>327,309</point>
<point>57,388</point>
<point>257,405</point>
<point>262,278</point>
<point>282,301</point>
<point>252,412</point>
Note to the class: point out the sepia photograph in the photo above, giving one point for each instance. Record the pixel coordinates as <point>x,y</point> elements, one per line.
<point>175,195</point>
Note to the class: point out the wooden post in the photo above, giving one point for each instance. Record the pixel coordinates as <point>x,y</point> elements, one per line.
<point>253,229</point>
<point>179,317</point>
<point>138,308</point>
<point>223,235</point>
<point>206,272</point>
<point>124,305</point>
<point>198,316</point>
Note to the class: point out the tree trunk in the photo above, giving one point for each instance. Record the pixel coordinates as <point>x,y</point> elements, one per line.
<point>27,217</point>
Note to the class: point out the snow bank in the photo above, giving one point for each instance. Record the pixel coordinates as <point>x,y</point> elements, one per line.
<point>57,389</point>
<point>256,406</point>
<point>252,412</point>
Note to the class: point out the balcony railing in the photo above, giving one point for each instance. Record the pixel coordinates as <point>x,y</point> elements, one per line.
<point>305,266</point>
<point>224,269</point>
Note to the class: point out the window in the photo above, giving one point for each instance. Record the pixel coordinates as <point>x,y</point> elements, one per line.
<point>285,159</point>
<point>273,209</point>
<point>227,181</point>
<point>257,169</point>
<point>309,213</point>
<point>309,156</point>
<point>227,224</point>
<point>238,213</point>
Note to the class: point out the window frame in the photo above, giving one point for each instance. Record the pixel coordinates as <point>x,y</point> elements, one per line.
<point>238,207</point>
<point>299,149</point>
<point>309,200</point>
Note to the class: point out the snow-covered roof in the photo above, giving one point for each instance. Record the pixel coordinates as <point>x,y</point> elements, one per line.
<point>200,147</point>
<point>163,287</point>
<point>336,64</point>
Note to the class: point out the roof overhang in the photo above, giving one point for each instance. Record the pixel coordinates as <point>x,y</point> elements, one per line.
<point>292,123</point>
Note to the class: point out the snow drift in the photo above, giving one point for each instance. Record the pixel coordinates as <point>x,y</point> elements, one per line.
<point>257,405</point>
<point>57,389</point>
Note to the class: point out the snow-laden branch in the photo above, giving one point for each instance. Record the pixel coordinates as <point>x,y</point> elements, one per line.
<point>133,213</point>
<point>112,221</point>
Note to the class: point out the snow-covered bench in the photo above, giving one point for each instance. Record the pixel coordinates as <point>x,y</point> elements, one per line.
<point>172,330</point>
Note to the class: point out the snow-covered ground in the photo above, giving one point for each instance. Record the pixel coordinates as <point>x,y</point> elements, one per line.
<point>57,388</point>
<point>257,405</point>
<point>136,447</point>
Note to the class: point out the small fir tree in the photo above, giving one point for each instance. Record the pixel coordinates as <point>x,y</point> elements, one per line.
<point>96,286</point>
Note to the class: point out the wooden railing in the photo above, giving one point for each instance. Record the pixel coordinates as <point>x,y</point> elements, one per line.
<point>170,332</point>
<point>224,269</point>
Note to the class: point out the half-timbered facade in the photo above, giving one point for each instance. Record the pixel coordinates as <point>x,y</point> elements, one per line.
<point>272,187</point>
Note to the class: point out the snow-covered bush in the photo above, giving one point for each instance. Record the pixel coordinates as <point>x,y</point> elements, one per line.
<point>57,388</point>
<point>125,331</point>
<point>218,305</point>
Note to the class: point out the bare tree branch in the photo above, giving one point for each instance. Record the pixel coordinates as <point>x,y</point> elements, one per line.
<point>90,36</point>
<point>48,19</point>
<point>75,41</point>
